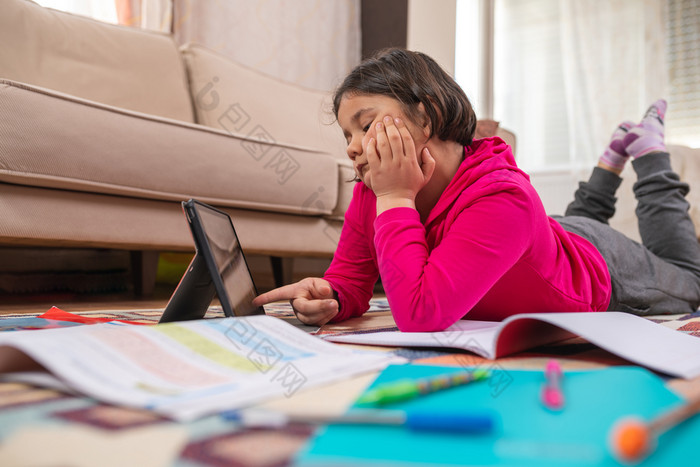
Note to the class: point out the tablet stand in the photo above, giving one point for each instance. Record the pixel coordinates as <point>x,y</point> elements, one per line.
<point>193,294</point>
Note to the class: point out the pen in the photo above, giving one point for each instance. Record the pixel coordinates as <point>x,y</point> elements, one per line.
<point>419,420</point>
<point>552,394</point>
<point>404,389</point>
<point>633,439</point>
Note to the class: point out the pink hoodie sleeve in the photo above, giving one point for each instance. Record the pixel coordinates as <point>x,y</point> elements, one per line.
<point>431,290</point>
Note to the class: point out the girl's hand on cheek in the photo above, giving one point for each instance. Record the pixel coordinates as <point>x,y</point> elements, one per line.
<point>396,173</point>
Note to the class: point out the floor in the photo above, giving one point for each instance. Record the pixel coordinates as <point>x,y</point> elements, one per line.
<point>77,302</point>
<point>169,276</point>
<point>14,261</point>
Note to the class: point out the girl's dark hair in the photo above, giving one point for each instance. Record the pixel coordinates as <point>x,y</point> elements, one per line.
<point>413,78</point>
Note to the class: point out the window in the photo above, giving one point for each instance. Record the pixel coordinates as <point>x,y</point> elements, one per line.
<point>529,79</point>
<point>563,73</point>
<point>683,52</point>
<point>153,15</point>
<point>103,10</point>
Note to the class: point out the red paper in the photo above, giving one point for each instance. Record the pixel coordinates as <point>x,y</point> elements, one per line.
<point>60,315</point>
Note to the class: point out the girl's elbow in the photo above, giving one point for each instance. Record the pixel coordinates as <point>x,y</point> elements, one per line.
<point>420,322</point>
<point>414,327</point>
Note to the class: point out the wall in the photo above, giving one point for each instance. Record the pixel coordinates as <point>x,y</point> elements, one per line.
<point>556,188</point>
<point>431,30</point>
<point>308,42</point>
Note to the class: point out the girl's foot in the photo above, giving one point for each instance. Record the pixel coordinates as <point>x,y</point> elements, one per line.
<point>615,155</point>
<point>648,136</point>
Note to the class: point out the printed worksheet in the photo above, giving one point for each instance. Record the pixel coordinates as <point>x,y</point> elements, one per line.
<point>185,370</point>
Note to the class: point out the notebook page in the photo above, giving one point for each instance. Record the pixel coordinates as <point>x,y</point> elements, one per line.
<point>475,336</point>
<point>631,337</point>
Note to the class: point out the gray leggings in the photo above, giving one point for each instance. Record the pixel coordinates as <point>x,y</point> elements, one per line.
<point>662,275</point>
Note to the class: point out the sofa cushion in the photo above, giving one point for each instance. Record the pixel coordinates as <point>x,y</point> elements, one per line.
<point>115,65</point>
<point>243,101</point>
<point>53,140</point>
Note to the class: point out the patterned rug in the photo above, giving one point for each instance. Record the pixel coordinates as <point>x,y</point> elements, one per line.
<point>41,426</point>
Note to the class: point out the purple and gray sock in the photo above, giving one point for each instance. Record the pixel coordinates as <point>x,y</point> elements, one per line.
<point>615,155</point>
<point>648,135</point>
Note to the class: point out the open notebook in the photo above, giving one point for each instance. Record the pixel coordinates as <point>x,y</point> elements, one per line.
<point>628,336</point>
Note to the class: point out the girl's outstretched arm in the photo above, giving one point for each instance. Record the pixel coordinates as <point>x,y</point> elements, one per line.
<point>312,298</point>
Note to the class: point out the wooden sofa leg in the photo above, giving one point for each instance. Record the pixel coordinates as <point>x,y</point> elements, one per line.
<point>144,266</point>
<point>282,270</point>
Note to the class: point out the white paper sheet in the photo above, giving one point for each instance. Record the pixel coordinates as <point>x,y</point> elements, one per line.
<point>189,369</point>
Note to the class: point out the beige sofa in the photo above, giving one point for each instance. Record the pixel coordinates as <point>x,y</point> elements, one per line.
<point>104,130</point>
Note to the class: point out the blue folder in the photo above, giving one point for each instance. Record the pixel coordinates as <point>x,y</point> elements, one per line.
<point>527,433</point>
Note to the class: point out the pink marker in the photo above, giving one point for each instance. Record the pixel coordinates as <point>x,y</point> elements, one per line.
<point>552,395</point>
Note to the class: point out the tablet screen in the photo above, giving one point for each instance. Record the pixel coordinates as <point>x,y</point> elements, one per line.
<point>230,262</point>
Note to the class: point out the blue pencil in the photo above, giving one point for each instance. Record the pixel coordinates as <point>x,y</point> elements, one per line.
<point>419,420</point>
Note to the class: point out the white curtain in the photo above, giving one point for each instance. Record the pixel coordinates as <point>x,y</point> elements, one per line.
<point>613,59</point>
<point>97,9</point>
<point>155,15</point>
<point>313,43</point>
<point>567,72</point>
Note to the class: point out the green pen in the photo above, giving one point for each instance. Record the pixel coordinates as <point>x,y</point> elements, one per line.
<point>405,389</point>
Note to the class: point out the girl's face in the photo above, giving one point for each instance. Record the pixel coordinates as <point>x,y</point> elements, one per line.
<point>357,116</point>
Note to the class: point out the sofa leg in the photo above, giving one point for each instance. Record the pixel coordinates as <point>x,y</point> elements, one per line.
<point>144,266</point>
<point>282,270</point>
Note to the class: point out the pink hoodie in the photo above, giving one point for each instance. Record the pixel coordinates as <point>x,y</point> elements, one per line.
<point>487,250</point>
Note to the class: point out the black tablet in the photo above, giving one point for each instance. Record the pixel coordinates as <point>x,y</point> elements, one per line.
<point>218,268</point>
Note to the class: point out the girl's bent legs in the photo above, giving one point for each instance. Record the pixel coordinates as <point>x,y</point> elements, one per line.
<point>663,275</point>
<point>662,212</point>
<point>595,199</point>
<point>642,283</point>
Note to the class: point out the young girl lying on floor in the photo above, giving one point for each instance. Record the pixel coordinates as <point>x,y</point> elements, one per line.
<point>456,230</point>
